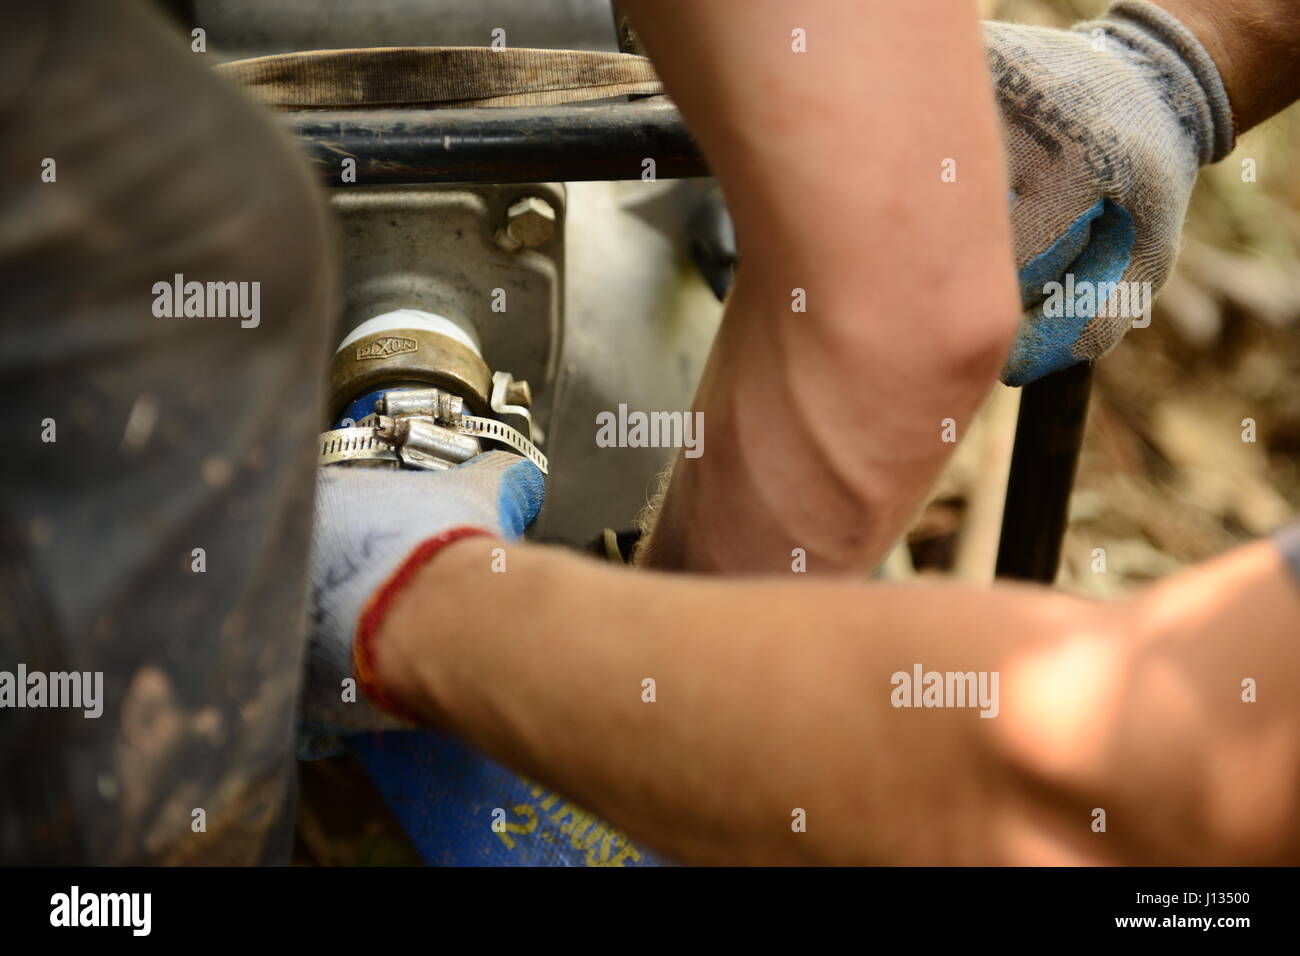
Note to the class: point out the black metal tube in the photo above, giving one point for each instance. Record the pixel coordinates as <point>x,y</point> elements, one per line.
<point>500,145</point>
<point>1049,434</point>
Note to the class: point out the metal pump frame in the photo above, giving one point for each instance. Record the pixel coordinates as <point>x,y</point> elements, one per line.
<point>611,141</point>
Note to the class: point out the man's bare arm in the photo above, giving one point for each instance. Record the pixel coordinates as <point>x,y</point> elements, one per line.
<point>771,697</point>
<point>824,426</point>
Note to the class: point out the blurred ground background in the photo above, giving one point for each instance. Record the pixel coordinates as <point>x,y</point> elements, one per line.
<point>1165,479</point>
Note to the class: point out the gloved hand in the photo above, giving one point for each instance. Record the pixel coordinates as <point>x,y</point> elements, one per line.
<point>369,525</point>
<point>1105,127</point>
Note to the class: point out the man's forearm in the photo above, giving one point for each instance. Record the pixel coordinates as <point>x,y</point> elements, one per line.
<point>1255,44</point>
<point>843,347</point>
<point>767,698</point>
<point>771,698</point>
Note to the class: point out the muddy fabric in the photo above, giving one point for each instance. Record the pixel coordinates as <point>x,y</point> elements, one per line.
<point>440,77</point>
<point>161,537</point>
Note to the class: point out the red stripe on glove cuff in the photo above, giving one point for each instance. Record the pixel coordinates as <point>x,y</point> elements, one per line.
<point>376,609</point>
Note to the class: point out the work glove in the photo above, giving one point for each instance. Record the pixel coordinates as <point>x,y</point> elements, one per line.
<point>371,525</point>
<point>1105,127</point>
<point>373,530</point>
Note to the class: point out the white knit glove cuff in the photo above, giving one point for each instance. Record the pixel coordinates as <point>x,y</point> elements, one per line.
<point>1178,65</point>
